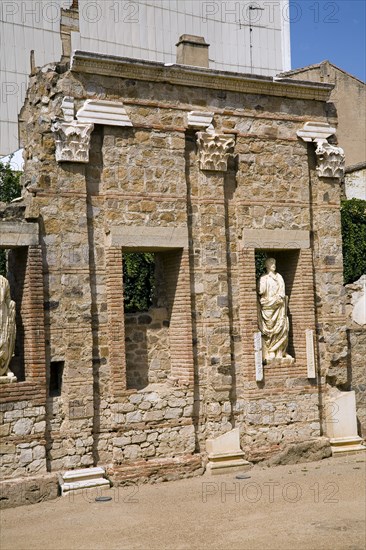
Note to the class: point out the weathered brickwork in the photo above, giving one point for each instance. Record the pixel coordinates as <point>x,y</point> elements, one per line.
<point>141,393</point>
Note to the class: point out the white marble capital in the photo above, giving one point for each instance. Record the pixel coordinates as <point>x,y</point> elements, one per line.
<point>330,159</point>
<point>72,141</point>
<point>215,150</point>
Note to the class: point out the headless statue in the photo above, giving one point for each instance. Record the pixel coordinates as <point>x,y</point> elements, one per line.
<point>7,326</point>
<point>272,315</point>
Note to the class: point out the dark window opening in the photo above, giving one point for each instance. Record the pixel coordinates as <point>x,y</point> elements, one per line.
<point>56,371</point>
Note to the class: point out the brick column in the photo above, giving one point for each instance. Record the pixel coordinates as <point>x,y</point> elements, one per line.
<point>116,323</point>
<point>176,266</point>
<point>33,318</point>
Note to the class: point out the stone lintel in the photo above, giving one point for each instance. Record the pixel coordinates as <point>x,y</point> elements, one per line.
<point>289,239</point>
<point>146,238</point>
<point>14,234</point>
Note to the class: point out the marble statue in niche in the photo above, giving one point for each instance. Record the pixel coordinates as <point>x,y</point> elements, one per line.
<point>272,315</point>
<point>7,327</point>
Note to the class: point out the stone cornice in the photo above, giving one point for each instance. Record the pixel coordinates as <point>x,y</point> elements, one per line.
<point>182,75</point>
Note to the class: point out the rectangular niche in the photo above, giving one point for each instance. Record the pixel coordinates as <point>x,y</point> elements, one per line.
<point>16,263</point>
<point>296,269</point>
<point>164,322</point>
<point>152,331</point>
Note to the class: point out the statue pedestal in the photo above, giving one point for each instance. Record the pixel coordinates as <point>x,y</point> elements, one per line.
<point>341,423</point>
<point>280,361</point>
<point>225,454</point>
<point>9,378</point>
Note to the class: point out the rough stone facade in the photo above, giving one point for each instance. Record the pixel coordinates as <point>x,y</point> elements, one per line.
<point>356,298</point>
<point>204,200</point>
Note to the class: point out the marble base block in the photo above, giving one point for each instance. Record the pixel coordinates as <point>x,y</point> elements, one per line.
<point>225,454</point>
<point>341,422</point>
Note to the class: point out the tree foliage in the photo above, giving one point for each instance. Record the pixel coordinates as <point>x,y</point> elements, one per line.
<point>139,280</point>
<point>10,189</point>
<point>353,216</point>
<point>260,261</point>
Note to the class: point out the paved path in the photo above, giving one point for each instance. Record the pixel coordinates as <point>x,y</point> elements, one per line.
<point>319,505</point>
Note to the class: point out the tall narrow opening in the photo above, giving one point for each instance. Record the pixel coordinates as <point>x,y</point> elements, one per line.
<point>146,319</point>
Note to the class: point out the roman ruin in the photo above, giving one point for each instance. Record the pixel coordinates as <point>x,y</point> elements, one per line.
<point>208,170</point>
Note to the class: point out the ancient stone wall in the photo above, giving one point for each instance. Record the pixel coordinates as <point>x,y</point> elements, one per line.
<point>205,202</point>
<point>356,323</point>
<point>147,347</point>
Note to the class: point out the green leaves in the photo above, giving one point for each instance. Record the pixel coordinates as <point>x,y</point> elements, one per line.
<point>10,187</point>
<point>138,280</point>
<point>353,216</point>
<point>260,261</point>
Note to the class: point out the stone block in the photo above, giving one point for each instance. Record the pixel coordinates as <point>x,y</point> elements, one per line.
<point>84,478</point>
<point>225,454</point>
<point>14,234</point>
<point>151,238</point>
<point>276,238</point>
<point>23,426</point>
<point>341,422</point>
<point>132,417</point>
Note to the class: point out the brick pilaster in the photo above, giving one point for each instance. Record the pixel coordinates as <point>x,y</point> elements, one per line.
<point>248,309</point>
<point>116,324</point>
<point>33,318</point>
<point>176,265</point>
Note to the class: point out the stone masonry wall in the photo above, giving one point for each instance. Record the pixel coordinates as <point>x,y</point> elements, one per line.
<point>147,347</point>
<point>357,349</point>
<point>23,445</point>
<point>150,176</point>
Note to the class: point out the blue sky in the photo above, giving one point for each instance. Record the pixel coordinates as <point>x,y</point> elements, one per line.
<point>333,30</point>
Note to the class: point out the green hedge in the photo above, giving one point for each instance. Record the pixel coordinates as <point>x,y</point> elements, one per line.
<point>353,215</point>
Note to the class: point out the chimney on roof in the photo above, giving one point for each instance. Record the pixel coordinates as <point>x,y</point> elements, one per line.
<point>192,50</point>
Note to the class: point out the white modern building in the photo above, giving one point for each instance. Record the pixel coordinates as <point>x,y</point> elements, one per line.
<point>247,37</point>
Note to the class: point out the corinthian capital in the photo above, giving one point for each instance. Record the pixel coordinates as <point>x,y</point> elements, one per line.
<point>330,160</point>
<point>214,150</point>
<point>72,141</point>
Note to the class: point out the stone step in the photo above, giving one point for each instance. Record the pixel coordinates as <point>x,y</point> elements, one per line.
<point>86,484</point>
<point>83,479</point>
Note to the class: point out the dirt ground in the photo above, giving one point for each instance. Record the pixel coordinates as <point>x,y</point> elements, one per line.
<point>319,505</point>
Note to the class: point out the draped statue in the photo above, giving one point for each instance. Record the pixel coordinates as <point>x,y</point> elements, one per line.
<point>7,327</point>
<point>272,315</point>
